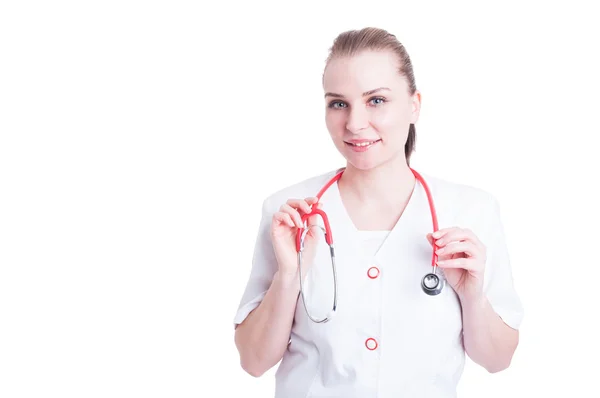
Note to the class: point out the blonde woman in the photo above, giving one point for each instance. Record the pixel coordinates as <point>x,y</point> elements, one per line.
<point>387,336</point>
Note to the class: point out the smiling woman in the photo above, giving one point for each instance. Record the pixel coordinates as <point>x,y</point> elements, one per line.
<point>362,62</point>
<point>387,337</point>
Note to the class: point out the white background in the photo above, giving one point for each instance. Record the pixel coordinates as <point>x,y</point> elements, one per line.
<point>134,156</point>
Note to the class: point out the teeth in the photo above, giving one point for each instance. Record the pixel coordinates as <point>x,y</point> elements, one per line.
<point>364,143</point>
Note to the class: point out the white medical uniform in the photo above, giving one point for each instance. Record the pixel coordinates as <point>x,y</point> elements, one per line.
<point>388,338</point>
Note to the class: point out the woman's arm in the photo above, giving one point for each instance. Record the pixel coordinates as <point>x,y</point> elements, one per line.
<point>263,337</point>
<point>488,341</point>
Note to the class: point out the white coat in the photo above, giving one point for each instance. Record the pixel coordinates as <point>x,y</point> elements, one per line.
<point>388,338</point>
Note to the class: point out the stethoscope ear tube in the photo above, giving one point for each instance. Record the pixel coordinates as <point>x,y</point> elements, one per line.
<point>432,284</point>
<point>300,248</point>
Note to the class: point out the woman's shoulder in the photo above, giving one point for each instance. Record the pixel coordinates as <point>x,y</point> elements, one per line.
<point>459,193</point>
<point>464,204</point>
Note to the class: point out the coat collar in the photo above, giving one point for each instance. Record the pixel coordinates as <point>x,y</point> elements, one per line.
<point>415,218</point>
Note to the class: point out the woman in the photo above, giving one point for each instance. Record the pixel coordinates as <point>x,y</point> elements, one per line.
<point>387,338</point>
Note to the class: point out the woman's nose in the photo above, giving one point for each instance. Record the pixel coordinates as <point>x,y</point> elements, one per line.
<point>358,119</point>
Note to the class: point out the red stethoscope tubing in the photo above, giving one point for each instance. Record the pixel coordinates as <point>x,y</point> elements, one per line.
<point>328,235</point>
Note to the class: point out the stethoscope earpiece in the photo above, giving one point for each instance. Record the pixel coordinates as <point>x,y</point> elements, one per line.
<point>432,284</point>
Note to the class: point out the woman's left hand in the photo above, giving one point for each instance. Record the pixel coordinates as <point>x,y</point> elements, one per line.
<point>462,256</point>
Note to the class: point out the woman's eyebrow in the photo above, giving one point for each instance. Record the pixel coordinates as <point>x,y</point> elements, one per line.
<point>328,94</point>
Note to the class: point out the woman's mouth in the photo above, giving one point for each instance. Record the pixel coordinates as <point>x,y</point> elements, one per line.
<point>361,145</point>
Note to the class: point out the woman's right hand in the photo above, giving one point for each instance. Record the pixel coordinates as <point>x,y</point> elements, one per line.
<point>284,228</point>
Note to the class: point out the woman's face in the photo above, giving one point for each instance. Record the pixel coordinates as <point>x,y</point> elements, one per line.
<point>368,108</point>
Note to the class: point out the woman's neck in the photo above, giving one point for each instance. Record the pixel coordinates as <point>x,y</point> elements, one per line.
<point>391,183</point>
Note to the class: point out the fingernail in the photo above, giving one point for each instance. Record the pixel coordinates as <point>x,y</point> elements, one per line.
<point>439,251</point>
<point>436,234</point>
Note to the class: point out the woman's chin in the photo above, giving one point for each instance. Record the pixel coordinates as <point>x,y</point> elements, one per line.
<point>363,164</point>
<point>370,162</point>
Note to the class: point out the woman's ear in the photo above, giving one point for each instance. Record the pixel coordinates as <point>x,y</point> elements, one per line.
<point>416,107</point>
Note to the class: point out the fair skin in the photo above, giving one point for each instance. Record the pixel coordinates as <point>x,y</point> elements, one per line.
<point>263,337</point>
<point>366,99</point>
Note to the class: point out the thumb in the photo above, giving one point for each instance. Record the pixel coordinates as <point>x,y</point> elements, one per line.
<point>430,238</point>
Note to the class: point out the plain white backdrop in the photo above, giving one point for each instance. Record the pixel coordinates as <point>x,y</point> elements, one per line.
<point>138,140</point>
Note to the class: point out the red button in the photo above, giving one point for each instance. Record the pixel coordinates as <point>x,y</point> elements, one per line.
<point>371,343</point>
<point>373,272</point>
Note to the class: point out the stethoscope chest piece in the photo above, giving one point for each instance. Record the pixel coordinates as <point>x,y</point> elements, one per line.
<point>432,284</point>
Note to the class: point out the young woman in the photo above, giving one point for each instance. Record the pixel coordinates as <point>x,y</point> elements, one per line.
<point>393,332</point>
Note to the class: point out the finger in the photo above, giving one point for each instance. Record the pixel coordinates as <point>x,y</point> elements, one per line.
<point>441,232</point>
<point>299,204</point>
<point>430,238</point>
<point>284,218</point>
<point>311,200</point>
<point>467,247</point>
<point>293,213</point>
<point>462,263</point>
<point>316,206</point>
<point>456,234</point>
<point>438,236</point>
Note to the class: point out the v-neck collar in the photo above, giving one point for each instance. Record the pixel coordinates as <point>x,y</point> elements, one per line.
<point>343,228</point>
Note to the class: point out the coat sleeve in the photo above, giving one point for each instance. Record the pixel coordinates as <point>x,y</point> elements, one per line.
<point>498,279</point>
<point>264,266</point>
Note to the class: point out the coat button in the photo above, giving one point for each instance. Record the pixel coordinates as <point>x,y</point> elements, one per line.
<point>373,272</point>
<point>371,343</point>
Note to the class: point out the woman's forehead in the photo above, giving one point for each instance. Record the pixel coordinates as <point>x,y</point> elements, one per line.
<point>363,72</point>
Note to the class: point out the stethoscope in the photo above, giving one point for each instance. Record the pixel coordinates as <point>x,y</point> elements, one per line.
<point>431,283</point>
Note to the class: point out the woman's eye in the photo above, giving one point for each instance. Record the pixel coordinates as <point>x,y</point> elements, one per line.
<point>377,101</point>
<point>336,104</point>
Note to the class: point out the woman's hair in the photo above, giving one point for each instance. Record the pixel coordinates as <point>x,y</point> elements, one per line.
<point>352,42</point>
